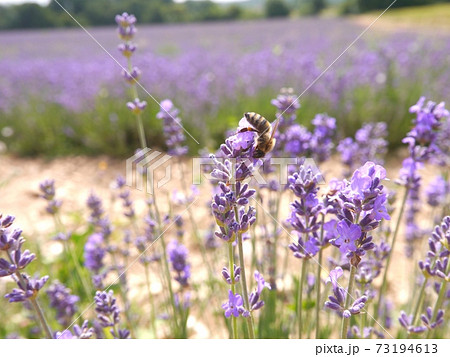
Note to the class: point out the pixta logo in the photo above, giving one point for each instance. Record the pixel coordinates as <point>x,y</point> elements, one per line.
<point>143,165</point>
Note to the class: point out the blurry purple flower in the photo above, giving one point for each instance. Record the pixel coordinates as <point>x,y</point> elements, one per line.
<point>28,289</point>
<point>334,276</point>
<point>132,76</point>
<point>108,312</point>
<point>173,129</point>
<point>62,302</point>
<point>47,188</point>
<point>438,192</point>
<point>427,318</point>
<point>178,258</point>
<point>125,20</point>
<point>127,49</point>
<point>227,276</point>
<point>137,106</point>
<point>94,252</point>
<point>406,322</point>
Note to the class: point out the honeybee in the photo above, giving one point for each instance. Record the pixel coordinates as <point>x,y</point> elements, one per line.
<point>265,141</point>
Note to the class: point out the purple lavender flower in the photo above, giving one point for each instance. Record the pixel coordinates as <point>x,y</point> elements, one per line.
<point>210,242</point>
<point>11,242</point>
<point>437,192</point>
<point>355,332</point>
<point>94,203</point>
<point>137,106</point>
<point>362,203</point>
<point>370,144</point>
<point>287,106</point>
<point>97,215</point>
<point>428,321</point>
<point>227,277</point>
<point>178,258</point>
<point>436,263</point>
<point>336,301</point>
<point>127,49</point>
<point>422,138</point>
<point>108,313</point>
<point>124,195</point>
<point>254,298</point>
<point>106,308</point>
<point>125,20</point>
<point>321,142</point>
<point>348,234</point>
<point>410,178</point>
<point>94,253</point>
<point>65,335</point>
<point>63,302</point>
<point>47,188</point>
<point>406,322</point>
<point>234,306</point>
<point>28,288</point>
<point>286,103</point>
<point>298,140</point>
<point>173,130</point>
<point>423,145</point>
<point>223,210</point>
<point>126,28</point>
<point>79,332</point>
<point>132,76</point>
<point>305,212</point>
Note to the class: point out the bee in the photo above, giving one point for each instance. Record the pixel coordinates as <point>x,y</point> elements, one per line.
<point>265,141</point>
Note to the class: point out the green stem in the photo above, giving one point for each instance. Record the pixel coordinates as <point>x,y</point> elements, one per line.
<point>79,269</point>
<point>34,302</point>
<point>363,315</point>
<point>419,301</point>
<point>123,294</point>
<point>233,287</point>
<point>300,299</point>
<point>249,319</point>
<point>194,225</point>
<point>116,333</point>
<point>388,261</point>
<point>318,281</point>
<point>274,257</point>
<point>140,124</point>
<point>41,317</point>
<point>59,227</point>
<point>440,300</point>
<point>438,304</point>
<point>351,282</point>
<point>150,298</point>
<point>169,281</point>
<point>243,278</point>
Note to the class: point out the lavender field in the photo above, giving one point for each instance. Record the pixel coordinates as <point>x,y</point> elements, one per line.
<point>64,87</point>
<point>330,219</point>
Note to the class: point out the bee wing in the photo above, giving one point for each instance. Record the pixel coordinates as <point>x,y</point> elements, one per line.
<point>244,124</point>
<point>274,128</point>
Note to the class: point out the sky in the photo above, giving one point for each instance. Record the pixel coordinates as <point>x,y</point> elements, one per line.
<point>44,2</point>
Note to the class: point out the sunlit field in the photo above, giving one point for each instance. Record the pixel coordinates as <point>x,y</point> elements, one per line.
<point>302,188</point>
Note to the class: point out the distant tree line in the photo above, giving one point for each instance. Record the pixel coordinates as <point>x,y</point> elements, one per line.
<point>102,12</point>
<point>359,6</point>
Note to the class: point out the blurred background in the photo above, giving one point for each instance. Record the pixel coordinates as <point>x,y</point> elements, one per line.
<point>60,93</point>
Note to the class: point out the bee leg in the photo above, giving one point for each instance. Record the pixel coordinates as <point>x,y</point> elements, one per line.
<point>247,129</point>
